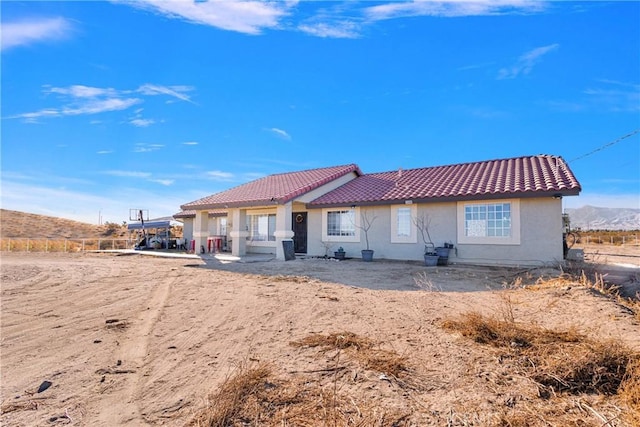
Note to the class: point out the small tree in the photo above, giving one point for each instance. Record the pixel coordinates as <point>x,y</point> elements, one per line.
<point>422,223</point>
<point>365,225</point>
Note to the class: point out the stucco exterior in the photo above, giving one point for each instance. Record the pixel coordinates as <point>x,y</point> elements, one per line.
<point>496,212</point>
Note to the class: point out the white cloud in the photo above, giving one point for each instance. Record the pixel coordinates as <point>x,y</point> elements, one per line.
<point>174,91</point>
<point>81,91</point>
<point>128,174</point>
<point>615,96</point>
<point>450,8</point>
<point>165,182</point>
<point>525,63</point>
<point>280,133</point>
<point>190,143</point>
<point>146,148</point>
<point>104,152</point>
<point>217,175</point>
<point>81,100</point>
<point>249,17</point>
<point>32,31</point>
<point>341,29</point>
<point>142,123</point>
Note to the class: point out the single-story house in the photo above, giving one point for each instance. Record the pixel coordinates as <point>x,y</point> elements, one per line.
<point>502,212</point>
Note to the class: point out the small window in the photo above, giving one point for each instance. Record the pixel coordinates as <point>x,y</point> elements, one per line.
<point>341,223</point>
<point>403,222</point>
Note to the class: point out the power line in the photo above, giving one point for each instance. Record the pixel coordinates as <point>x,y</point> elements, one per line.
<point>606,145</point>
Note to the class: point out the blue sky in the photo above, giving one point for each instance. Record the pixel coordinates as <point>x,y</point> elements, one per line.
<point>108,106</point>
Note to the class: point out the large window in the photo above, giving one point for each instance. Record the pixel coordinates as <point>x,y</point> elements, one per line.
<point>487,220</point>
<point>261,227</point>
<point>496,223</point>
<point>341,223</point>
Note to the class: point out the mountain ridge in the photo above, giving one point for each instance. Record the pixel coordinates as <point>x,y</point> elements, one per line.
<point>600,218</point>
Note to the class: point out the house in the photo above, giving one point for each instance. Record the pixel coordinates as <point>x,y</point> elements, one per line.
<point>501,212</point>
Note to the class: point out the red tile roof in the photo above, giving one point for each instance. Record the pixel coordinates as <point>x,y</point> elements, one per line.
<point>280,188</point>
<point>515,177</point>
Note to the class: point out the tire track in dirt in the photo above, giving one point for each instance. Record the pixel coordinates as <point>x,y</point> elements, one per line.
<point>119,404</point>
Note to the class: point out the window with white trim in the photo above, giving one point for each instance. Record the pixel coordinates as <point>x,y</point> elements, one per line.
<point>403,228</point>
<point>488,220</point>
<point>261,227</point>
<point>341,223</point>
<point>223,226</point>
<point>489,223</point>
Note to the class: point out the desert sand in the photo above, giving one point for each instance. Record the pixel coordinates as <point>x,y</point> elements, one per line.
<point>131,340</point>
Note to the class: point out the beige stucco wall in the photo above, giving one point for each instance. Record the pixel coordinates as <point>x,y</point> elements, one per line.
<point>540,235</point>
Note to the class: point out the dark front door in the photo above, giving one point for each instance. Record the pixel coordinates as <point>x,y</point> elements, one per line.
<point>299,226</point>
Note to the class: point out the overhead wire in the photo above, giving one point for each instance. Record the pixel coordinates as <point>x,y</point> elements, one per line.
<point>630,134</point>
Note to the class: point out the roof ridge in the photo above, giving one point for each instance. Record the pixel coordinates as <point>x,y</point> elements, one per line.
<point>468,163</point>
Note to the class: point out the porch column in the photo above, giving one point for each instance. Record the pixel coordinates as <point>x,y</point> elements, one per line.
<point>239,232</point>
<point>200,230</point>
<point>283,228</point>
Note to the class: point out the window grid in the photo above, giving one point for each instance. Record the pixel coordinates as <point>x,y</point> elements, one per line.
<point>404,222</point>
<point>341,223</point>
<point>488,220</point>
<point>261,227</point>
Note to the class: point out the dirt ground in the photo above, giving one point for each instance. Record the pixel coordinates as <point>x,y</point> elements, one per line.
<point>130,340</point>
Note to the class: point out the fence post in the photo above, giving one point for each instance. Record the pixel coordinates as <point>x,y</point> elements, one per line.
<point>28,242</point>
<point>82,245</point>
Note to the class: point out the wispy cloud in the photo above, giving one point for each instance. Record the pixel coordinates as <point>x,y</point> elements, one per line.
<point>190,143</point>
<point>142,147</point>
<point>280,133</point>
<point>104,152</point>
<point>128,174</point>
<point>178,92</point>
<point>451,8</point>
<point>249,17</point>
<point>142,123</point>
<point>166,182</point>
<point>84,100</point>
<point>525,62</point>
<point>615,96</point>
<point>341,29</point>
<point>32,31</point>
<point>217,175</point>
<point>603,95</point>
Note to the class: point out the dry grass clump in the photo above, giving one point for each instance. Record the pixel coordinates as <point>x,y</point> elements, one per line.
<point>559,362</point>
<point>361,349</point>
<point>255,396</point>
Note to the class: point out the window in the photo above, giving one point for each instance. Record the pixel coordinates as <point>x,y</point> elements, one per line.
<point>261,227</point>
<point>403,229</point>
<point>223,226</point>
<point>489,223</point>
<point>489,220</point>
<point>341,223</point>
<point>403,222</point>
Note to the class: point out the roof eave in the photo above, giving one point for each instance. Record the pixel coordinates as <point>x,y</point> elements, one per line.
<point>467,197</point>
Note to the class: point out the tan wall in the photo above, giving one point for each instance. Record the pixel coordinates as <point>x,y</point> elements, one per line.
<point>540,241</point>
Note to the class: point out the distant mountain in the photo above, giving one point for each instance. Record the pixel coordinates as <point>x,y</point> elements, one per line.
<point>594,218</point>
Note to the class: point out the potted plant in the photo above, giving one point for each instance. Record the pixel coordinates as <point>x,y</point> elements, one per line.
<point>339,254</point>
<point>365,226</point>
<point>430,255</point>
